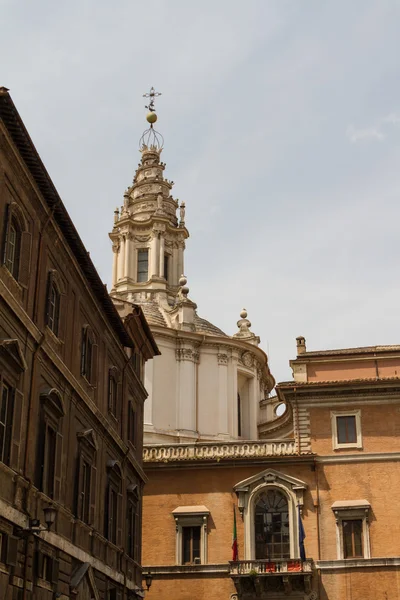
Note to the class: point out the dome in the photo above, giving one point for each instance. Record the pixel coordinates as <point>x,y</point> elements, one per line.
<point>156,316</point>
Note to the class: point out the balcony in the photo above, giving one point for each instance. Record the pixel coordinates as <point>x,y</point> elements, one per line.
<point>264,579</point>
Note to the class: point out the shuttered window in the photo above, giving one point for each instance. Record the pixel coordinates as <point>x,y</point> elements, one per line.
<point>50,446</point>
<point>6,417</point>
<point>88,355</point>
<point>17,245</point>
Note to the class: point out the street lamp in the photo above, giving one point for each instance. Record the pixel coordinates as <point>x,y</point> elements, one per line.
<point>148,577</point>
<point>49,516</point>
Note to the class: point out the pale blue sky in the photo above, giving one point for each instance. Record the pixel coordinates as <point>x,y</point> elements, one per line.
<point>282,133</point>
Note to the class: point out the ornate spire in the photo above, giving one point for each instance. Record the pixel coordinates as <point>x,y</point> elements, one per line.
<point>244,332</point>
<point>151,139</point>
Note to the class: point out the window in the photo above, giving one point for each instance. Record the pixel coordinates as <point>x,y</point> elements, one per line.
<point>88,355</point>
<point>12,249</point>
<point>49,467</point>
<point>86,476</point>
<point>17,245</point>
<point>8,548</point>
<point>53,304</point>
<point>239,416</point>
<point>112,526</point>
<point>6,417</point>
<point>142,265</point>
<point>191,534</point>
<point>166,266</point>
<point>352,521</point>
<point>270,502</point>
<point>191,545</point>
<point>346,429</point>
<point>47,567</point>
<point>113,391</point>
<point>352,539</point>
<point>271,523</point>
<point>132,424</point>
<point>133,523</point>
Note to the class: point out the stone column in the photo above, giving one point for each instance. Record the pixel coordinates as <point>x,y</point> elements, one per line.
<point>253,408</point>
<point>162,247</point>
<point>121,258</point>
<point>174,268</point>
<point>127,256</point>
<point>115,265</point>
<point>186,412</point>
<point>223,426</point>
<point>153,256</point>
<point>181,266</point>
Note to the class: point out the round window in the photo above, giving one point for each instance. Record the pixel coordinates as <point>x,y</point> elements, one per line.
<point>280,409</point>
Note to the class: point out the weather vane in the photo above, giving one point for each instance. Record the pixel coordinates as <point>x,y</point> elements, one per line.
<point>151,138</point>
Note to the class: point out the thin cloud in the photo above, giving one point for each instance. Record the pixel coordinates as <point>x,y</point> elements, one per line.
<point>364,135</point>
<point>373,133</point>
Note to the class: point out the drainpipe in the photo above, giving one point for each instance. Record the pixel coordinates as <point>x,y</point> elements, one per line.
<point>318,524</point>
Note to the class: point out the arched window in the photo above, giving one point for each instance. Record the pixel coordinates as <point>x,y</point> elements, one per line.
<point>17,244</point>
<point>271,522</point>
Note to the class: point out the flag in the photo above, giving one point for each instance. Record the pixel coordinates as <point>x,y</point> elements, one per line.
<point>302,535</point>
<point>235,553</point>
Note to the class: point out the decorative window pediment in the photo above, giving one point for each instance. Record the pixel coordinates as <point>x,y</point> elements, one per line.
<point>248,486</point>
<point>191,534</point>
<point>84,572</point>
<point>53,401</point>
<point>12,353</point>
<point>88,437</point>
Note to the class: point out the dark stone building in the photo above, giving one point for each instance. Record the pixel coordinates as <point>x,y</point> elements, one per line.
<point>71,399</point>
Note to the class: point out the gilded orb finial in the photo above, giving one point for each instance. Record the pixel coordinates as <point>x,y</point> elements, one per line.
<point>151,138</point>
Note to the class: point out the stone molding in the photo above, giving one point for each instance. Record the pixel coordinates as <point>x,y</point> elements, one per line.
<point>357,563</point>
<point>209,569</point>
<point>361,457</point>
<point>217,451</point>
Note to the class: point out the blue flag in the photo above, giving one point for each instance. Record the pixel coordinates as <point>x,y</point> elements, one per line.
<point>302,535</point>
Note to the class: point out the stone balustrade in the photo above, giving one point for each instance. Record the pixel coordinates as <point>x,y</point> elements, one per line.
<point>265,567</point>
<point>217,451</point>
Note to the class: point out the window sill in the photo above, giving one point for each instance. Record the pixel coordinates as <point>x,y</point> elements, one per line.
<point>348,446</point>
<point>54,338</point>
<point>4,568</point>
<point>43,583</point>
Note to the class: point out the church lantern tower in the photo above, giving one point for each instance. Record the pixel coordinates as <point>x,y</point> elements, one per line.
<point>148,238</point>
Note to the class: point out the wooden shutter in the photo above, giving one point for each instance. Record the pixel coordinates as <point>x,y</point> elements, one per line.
<point>39,563</point>
<point>7,223</point>
<point>58,468</point>
<point>12,550</point>
<point>41,444</point>
<point>55,568</point>
<point>25,258</point>
<point>83,349</point>
<point>119,405</point>
<point>16,430</point>
<point>119,519</point>
<point>62,316</point>
<point>94,375</point>
<point>50,280</point>
<point>93,490</point>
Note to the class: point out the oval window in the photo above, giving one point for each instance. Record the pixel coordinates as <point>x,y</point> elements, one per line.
<point>280,409</point>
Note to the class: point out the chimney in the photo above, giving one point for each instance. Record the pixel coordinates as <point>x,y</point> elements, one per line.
<point>301,345</point>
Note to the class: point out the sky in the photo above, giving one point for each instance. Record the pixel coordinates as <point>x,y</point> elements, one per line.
<point>281,122</point>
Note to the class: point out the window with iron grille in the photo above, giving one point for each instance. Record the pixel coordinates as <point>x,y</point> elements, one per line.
<point>272,525</point>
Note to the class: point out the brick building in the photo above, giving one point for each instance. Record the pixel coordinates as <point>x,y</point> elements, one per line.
<point>333,456</point>
<point>71,399</point>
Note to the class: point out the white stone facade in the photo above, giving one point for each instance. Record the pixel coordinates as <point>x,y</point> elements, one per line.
<point>205,385</point>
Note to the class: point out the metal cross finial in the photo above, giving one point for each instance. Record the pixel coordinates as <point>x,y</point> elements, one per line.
<point>152,94</point>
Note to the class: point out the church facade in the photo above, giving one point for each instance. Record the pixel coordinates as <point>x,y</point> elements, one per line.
<point>252,495</point>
